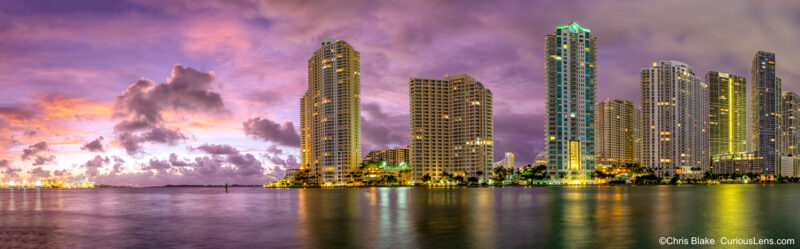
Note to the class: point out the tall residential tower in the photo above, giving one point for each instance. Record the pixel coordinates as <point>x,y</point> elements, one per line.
<point>728,113</point>
<point>570,55</point>
<point>330,113</point>
<point>765,101</point>
<point>451,128</point>
<point>790,124</point>
<point>619,136</point>
<point>675,120</point>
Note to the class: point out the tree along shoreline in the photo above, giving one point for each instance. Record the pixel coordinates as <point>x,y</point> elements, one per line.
<point>611,175</point>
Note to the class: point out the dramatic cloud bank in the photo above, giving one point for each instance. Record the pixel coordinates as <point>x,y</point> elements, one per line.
<point>112,116</point>
<point>142,104</point>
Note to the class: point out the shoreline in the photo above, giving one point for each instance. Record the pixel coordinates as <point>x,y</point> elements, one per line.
<point>407,186</point>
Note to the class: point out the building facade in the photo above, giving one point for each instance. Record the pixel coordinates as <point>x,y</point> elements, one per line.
<point>507,162</point>
<point>790,125</point>
<point>451,127</point>
<point>618,137</point>
<point>675,119</point>
<point>727,112</point>
<point>540,159</point>
<point>330,113</point>
<point>570,56</point>
<point>732,164</point>
<point>393,157</point>
<point>789,166</point>
<point>765,106</point>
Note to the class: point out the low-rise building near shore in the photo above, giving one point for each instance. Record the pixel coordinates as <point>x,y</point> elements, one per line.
<point>789,166</point>
<point>733,164</point>
<point>394,156</point>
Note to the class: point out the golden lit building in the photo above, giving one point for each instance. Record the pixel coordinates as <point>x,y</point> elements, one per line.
<point>728,113</point>
<point>451,127</point>
<point>330,120</point>
<point>618,132</point>
<point>393,157</point>
<point>733,164</point>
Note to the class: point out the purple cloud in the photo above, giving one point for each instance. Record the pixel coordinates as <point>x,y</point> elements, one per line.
<point>43,159</point>
<point>382,130</point>
<point>62,172</point>
<point>218,149</point>
<point>95,145</point>
<point>92,166</point>
<point>259,51</point>
<point>225,162</point>
<point>186,91</point>
<point>38,172</point>
<point>34,150</point>
<point>270,131</point>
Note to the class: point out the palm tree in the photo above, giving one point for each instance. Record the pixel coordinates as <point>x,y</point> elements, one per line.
<point>447,176</point>
<point>390,179</point>
<point>500,174</point>
<point>426,178</point>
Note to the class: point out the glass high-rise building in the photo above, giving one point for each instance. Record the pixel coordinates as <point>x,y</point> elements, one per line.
<point>728,113</point>
<point>451,128</point>
<point>675,120</point>
<point>790,125</point>
<point>619,136</point>
<point>766,102</point>
<point>330,113</point>
<point>570,69</point>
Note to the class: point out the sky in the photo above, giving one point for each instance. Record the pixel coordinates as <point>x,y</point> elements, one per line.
<point>155,92</point>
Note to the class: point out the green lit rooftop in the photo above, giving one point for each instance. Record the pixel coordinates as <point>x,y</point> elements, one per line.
<point>574,27</point>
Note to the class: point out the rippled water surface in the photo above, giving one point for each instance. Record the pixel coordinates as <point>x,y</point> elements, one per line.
<point>532,217</point>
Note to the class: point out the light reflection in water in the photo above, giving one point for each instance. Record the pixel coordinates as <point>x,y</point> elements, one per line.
<point>533,217</point>
<point>733,213</point>
<point>11,206</point>
<point>483,211</point>
<point>662,211</point>
<point>576,217</point>
<point>38,200</point>
<point>612,216</point>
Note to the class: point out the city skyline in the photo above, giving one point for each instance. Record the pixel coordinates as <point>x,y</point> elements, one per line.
<point>67,108</point>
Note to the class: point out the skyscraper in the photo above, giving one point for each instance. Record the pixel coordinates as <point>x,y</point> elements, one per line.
<point>765,101</point>
<point>618,126</point>
<point>790,124</point>
<point>330,113</point>
<point>451,127</point>
<point>570,56</point>
<point>728,113</point>
<point>675,120</point>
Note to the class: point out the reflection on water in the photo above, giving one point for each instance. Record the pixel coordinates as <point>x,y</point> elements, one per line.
<point>734,205</point>
<point>555,217</point>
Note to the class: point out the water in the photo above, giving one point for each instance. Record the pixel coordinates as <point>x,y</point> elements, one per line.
<point>532,217</point>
